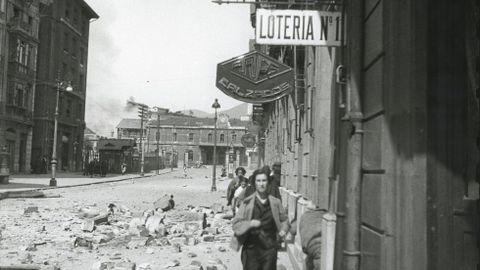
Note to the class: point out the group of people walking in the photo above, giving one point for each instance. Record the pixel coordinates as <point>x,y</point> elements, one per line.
<point>260,222</point>
<point>96,167</point>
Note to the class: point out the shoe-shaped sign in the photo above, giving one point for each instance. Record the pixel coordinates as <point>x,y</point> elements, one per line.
<point>254,78</point>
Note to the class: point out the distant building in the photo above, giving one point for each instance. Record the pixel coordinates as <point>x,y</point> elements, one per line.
<point>63,50</point>
<point>90,145</point>
<point>115,152</point>
<point>19,39</point>
<point>190,137</point>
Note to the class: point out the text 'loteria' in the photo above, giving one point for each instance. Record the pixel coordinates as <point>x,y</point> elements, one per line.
<point>298,27</point>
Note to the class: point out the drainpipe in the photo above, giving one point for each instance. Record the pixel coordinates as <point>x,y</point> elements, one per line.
<point>351,253</point>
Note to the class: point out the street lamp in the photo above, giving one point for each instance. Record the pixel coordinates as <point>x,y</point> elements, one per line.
<point>61,86</point>
<point>215,105</point>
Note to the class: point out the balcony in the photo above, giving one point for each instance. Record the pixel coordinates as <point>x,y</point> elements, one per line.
<point>17,24</point>
<point>18,114</point>
<point>21,71</point>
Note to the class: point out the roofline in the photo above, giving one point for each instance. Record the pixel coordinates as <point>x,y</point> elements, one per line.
<point>93,14</point>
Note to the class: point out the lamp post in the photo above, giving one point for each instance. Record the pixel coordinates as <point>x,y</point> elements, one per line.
<point>215,105</point>
<point>68,88</point>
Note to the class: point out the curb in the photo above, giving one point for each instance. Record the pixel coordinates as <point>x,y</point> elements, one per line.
<point>78,185</point>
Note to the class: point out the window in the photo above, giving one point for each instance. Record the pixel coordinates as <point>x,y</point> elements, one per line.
<point>75,16</point>
<point>64,69</point>
<point>74,47</point>
<point>68,111</point>
<point>234,138</point>
<point>20,96</point>
<point>66,41</point>
<point>10,96</point>
<point>174,136</point>
<point>26,95</point>
<point>79,110</point>
<point>82,55</point>
<point>23,52</point>
<point>16,12</point>
<point>2,5</point>
<point>222,137</point>
<point>81,82</point>
<point>190,137</point>
<point>190,155</point>
<point>67,9</point>
<point>210,137</point>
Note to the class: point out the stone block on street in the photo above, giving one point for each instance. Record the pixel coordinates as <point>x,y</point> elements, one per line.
<point>208,238</point>
<point>217,208</point>
<point>124,266</point>
<point>136,242</point>
<point>30,209</point>
<point>89,212</point>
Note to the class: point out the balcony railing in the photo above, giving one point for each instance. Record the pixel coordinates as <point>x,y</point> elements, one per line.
<point>21,70</point>
<point>18,113</point>
<point>18,24</point>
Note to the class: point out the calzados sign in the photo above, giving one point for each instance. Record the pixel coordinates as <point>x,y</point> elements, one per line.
<point>298,27</point>
<point>254,78</point>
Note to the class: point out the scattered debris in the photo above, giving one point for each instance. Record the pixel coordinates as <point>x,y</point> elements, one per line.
<point>173,263</point>
<point>82,242</point>
<point>30,209</point>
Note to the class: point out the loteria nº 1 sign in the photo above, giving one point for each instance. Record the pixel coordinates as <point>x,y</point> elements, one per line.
<point>254,78</point>
<point>298,27</point>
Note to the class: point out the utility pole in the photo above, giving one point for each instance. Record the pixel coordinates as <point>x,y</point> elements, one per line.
<point>142,113</point>
<point>158,142</point>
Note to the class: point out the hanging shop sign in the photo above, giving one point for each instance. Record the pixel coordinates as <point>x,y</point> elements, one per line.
<point>248,140</point>
<point>254,78</point>
<point>298,27</point>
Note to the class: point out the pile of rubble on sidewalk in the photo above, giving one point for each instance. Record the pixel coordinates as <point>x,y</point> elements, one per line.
<point>112,232</point>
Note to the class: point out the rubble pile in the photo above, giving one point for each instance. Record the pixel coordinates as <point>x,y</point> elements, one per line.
<point>115,237</point>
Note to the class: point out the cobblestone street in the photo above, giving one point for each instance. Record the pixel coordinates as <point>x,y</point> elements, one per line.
<point>54,231</point>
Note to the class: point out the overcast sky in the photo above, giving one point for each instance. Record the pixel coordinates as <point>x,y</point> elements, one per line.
<point>161,52</point>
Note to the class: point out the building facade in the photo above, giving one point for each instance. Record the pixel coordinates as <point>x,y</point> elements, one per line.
<point>389,151</point>
<point>189,137</point>
<point>19,37</point>
<point>62,57</point>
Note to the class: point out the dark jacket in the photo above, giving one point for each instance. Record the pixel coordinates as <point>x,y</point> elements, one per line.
<point>241,221</point>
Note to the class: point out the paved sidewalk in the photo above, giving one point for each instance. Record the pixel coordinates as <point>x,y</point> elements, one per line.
<point>41,181</point>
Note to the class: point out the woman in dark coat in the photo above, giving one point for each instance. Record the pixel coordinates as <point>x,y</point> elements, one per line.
<point>260,221</point>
